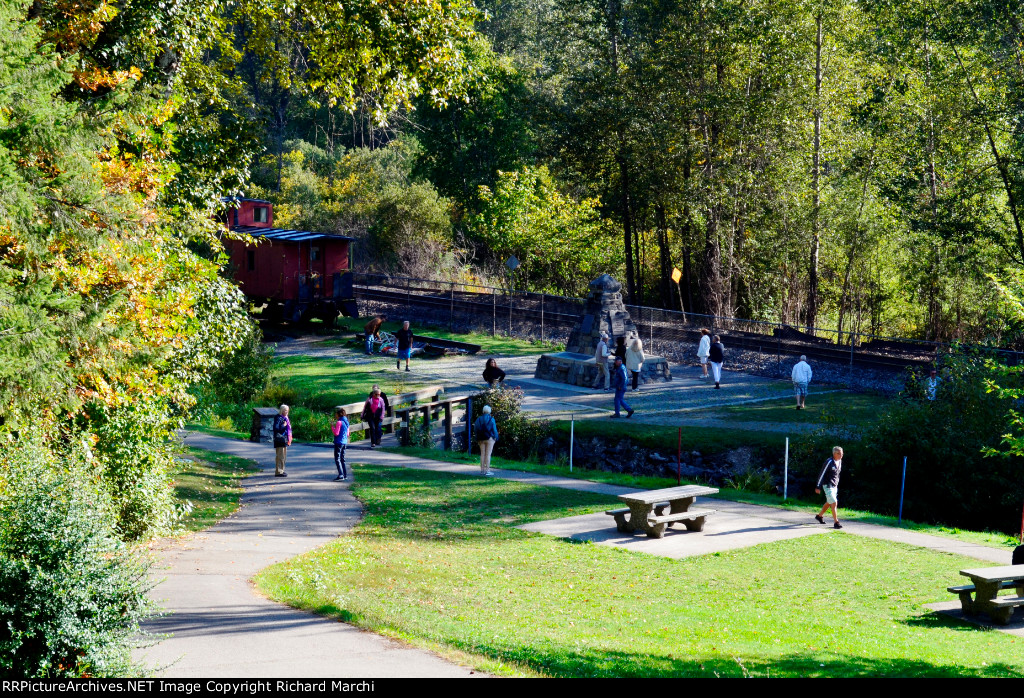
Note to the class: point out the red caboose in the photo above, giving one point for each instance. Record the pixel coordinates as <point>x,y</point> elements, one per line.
<point>297,274</point>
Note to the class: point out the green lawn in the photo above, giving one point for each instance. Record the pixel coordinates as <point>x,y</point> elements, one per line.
<point>988,538</point>
<point>210,484</point>
<point>665,439</point>
<point>438,563</point>
<point>831,408</point>
<point>498,344</point>
<point>322,383</point>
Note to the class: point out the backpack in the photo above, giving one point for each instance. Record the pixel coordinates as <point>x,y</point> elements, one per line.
<point>1018,555</point>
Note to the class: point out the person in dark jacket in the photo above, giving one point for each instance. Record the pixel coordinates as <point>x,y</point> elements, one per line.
<point>829,481</point>
<point>620,382</point>
<point>486,430</point>
<point>717,358</point>
<point>282,440</point>
<point>620,349</point>
<point>404,337</point>
<point>493,374</point>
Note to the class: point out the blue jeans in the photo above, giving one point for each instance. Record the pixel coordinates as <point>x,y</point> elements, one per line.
<point>620,401</point>
<point>375,431</point>
<point>339,459</point>
<point>369,344</point>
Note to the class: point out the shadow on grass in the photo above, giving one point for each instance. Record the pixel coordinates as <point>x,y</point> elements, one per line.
<point>466,506</point>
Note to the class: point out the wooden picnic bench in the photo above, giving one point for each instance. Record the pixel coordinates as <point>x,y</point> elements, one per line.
<point>987,582</point>
<point>646,510</point>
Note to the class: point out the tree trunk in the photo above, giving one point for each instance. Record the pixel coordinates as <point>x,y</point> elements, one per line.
<point>812,284</point>
<point>664,258</point>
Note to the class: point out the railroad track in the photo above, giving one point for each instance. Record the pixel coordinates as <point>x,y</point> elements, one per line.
<point>481,306</point>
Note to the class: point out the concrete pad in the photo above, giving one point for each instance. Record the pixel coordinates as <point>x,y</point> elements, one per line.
<point>952,609</point>
<point>722,531</point>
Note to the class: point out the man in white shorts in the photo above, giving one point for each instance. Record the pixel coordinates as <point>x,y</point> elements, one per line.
<point>801,377</point>
<point>829,481</point>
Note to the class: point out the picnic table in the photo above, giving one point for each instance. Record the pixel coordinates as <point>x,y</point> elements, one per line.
<point>986,584</point>
<point>646,510</point>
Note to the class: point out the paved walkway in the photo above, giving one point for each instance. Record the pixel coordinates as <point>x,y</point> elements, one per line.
<point>218,624</point>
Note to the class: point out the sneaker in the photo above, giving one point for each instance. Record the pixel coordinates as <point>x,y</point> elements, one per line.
<point>629,414</point>
<point>373,445</point>
<point>717,386</point>
<point>407,368</point>
<point>837,525</point>
<point>398,365</point>
<point>280,474</point>
<point>817,517</point>
<point>339,478</point>
<point>488,474</point>
<point>614,416</point>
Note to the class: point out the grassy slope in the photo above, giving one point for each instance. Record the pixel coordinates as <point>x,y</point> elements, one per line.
<point>508,346</point>
<point>843,408</point>
<point>211,482</point>
<point>438,562</point>
<point>332,382</point>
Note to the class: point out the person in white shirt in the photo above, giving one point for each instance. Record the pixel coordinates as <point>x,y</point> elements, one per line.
<point>601,357</point>
<point>801,377</point>
<point>703,350</point>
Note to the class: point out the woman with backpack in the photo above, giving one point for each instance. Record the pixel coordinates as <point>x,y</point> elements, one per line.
<point>373,415</point>
<point>486,436</point>
<point>340,430</point>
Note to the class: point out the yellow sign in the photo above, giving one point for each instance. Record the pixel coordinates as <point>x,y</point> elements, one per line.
<point>676,275</point>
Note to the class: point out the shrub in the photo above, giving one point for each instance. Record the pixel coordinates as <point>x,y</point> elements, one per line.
<point>949,478</point>
<point>134,452</point>
<point>309,425</point>
<point>519,437</point>
<point>72,594</point>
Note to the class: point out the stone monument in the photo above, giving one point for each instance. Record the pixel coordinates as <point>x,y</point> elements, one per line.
<point>603,311</point>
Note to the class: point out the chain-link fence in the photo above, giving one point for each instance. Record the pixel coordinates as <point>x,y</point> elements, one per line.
<point>669,333</point>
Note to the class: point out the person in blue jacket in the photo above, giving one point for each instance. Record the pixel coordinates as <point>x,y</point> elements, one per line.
<point>340,429</point>
<point>620,382</point>
<point>486,436</point>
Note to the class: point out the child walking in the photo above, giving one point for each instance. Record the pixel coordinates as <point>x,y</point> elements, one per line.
<point>340,429</point>
<point>829,481</point>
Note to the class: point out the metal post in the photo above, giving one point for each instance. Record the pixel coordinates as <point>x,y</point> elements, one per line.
<point>572,433</point>
<point>542,317</point>
<point>494,311</point>
<point>785,473</point>
<point>679,458</point>
<point>451,309</point>
<point>903,483</point>
<point>469,426</point>
<point>510,311</point>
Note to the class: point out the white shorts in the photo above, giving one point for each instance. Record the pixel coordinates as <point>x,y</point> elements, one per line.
<point>703,359</point>
<point>830,494</point>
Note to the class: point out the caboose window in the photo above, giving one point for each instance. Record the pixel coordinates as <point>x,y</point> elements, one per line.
<point>314,254</point>
<point>250,258</point>
<point>260,214</point>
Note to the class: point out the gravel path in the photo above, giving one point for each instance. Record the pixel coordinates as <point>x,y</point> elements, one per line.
<point>682,402</point>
